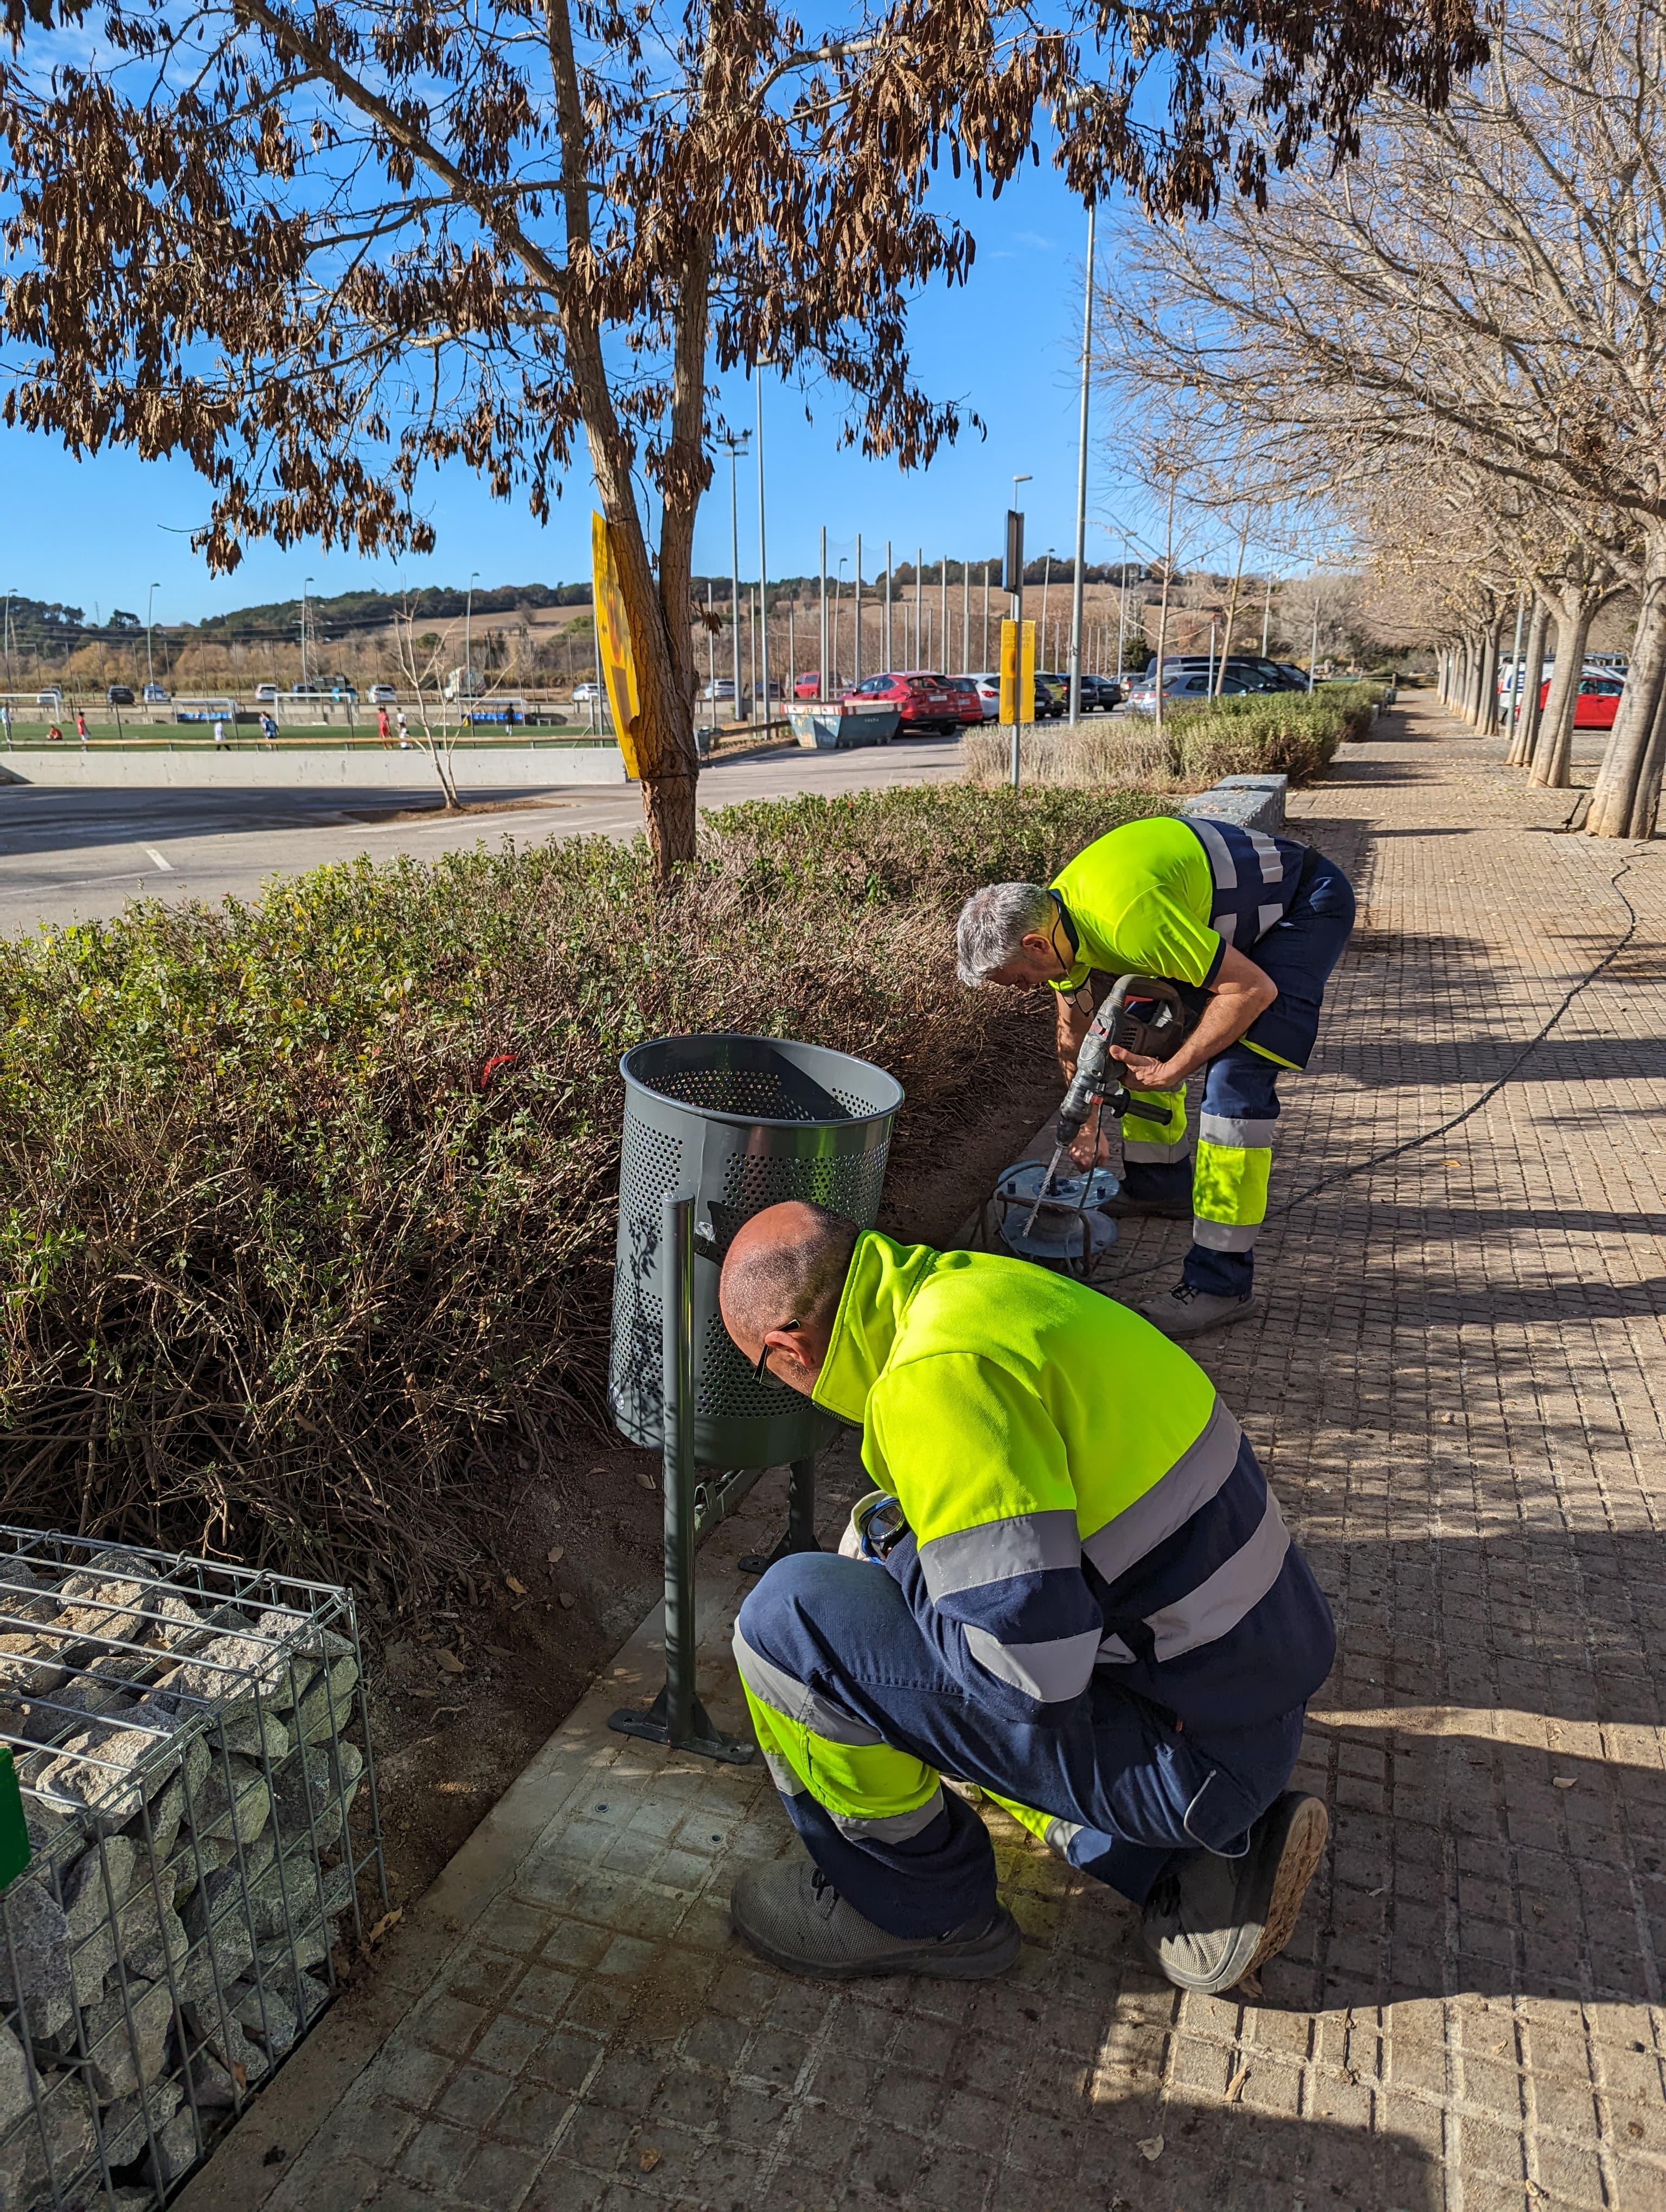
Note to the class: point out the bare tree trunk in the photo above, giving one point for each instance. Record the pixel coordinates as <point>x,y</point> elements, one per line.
<point>1527,693</point>
<point>1646,806</point>
<point>1575,613</point>
<point>1618,793</point>
<point>1487,690</point>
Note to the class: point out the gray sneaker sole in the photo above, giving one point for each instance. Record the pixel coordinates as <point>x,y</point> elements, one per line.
<point>1264,1933</point>
<point>1178,1333</point>
<point>1303,1848</point>
<point>991,1954</point>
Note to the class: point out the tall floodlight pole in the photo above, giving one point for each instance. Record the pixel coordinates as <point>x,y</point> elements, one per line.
<point>1121,613</point>
<point>1081,482</point>
<point>1266,614</point>
<point>965,617</point>
<point>891,651</point>
<point>735,441</point>
<point>821,686</point>
<point>838,595</point>
<point>1047,586</point>
<point>943,601</point>
<point>919,606</point>
<point>1313,652</point>
<point>304,583</point>
<point>986,567</point>
<point>856,660</point>
<point>468,636</point>
<point>762,563</point>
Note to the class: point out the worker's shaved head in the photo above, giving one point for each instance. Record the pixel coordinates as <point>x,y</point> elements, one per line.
<point>786,1264</point>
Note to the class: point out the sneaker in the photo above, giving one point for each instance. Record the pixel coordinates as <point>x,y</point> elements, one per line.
<point>1184,1311</point>
<point>791,1914</point>
<point>1212,1921</point>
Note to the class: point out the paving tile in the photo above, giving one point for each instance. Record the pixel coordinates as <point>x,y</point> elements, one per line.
<point>1455,1387</point>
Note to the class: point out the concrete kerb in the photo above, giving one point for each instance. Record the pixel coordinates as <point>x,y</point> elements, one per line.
<point>265,2151</point>
<point>318,768</point>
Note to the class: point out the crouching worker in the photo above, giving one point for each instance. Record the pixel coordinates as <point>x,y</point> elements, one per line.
<point>1073,1589</point>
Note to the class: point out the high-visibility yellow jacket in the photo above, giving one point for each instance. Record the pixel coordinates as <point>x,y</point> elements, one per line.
<point>1077,1496</point>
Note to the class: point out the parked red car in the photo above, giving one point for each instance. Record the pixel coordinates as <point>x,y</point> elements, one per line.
<point>810,686</point>
<point>924,701</point>
<point>1598,704</point>
<point>964,691</point>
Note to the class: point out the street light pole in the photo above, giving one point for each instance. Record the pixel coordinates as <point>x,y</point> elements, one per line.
<point>468,637</point>
<point>856,649</point>
<point>735,441</point>
<point>150,659</point>
<point>821,687</point>
<point>762,560</point>
<point>890,653</point>
<point>919,606</point>
<point>1081,480</point>
<point>304,582</point>
<point>1047,586</point>
<point>1266,613</point>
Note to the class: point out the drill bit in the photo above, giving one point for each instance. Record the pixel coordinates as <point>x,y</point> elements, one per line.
<point>1047,1185</point>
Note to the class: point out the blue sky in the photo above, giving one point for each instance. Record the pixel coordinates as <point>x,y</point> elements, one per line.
<point>96,533</point>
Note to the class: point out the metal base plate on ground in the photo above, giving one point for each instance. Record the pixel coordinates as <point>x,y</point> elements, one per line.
<point>653,1723</point>
<point>1068,1231</point>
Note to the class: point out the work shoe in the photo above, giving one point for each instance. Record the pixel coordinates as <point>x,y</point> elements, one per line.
<point>1212,1921</point>
<point>791,1915</point>
<point>1121,1207</point>
<point>1184,1311</point>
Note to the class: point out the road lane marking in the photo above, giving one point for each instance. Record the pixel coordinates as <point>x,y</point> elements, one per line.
<point>167,866</point>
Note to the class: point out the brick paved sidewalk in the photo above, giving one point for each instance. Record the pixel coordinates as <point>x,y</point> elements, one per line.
<point>1454,1387</point>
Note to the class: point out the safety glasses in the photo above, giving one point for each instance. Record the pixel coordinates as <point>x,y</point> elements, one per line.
<point>761,1364</point>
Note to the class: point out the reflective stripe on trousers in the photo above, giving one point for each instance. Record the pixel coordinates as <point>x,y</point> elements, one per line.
<point>1228,1179</point>
<point>867,1788</point>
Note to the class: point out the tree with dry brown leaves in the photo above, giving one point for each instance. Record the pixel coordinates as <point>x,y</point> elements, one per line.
<point>319,248</point>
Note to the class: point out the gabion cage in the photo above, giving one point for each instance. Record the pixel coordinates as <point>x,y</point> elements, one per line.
<point>739,1122</point>
<point>194,1759</point>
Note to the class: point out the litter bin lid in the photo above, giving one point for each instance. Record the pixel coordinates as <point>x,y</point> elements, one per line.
<point>757,1081</point>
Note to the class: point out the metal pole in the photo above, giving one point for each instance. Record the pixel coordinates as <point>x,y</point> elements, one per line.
<point>919,606</point>
<point>1081,477</point>
<point>821,687</point>
<point>965,617</point>
<point>985,662</point>
<point>676,1450</point>
<point>1266,616</point>
<point>149,657</point>
<point>891,653</point>
<point>711,653</point>
<point>751,632</point>
<point>736,442</point>
<point>468,638</point>
<point>677,1717</point>
<point>762,563</point>
<point>856,651</point>
<point>943,584</point>
<point>1313,655</point>
<point>304,583</point>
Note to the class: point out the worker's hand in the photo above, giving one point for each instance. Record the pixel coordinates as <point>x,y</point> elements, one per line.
<point>1147,1074</point>
<point>1092,1147</point>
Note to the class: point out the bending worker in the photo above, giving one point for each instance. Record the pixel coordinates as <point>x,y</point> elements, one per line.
<point>1254,924</point>
<point>1073,1589</point>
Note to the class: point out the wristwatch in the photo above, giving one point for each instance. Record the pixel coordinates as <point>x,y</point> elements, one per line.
<point>881,1526</point>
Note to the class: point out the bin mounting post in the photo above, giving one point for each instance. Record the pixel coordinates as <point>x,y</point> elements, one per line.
<point>800,1519</point>
<point>677,1717</point>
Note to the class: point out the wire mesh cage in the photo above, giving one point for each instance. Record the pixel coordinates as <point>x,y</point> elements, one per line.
<point>190,1745</point>
<point>741,1122</point>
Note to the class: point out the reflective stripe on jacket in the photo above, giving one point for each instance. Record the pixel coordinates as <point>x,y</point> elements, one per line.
<point>1077,1495</point>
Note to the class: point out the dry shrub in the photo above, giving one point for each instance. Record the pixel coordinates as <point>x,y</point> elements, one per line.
<point>282,1280</point>
<point>1292,733</point>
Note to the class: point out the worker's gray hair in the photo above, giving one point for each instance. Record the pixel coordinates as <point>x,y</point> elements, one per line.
<point>994,922</point>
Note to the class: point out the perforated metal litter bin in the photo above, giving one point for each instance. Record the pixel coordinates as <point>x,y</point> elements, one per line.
<point>740,1123</point>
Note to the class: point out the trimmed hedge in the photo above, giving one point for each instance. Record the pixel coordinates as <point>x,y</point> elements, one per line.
<point>309,1205</point>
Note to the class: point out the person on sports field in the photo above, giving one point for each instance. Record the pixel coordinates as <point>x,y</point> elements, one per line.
<point>1072,1587</point>
<point>1250,927</point>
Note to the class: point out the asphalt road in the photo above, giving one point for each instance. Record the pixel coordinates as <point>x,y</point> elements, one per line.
<point>80,855</point>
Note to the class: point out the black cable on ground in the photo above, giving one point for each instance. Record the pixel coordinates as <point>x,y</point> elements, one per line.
<point>1428,1136</point>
